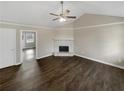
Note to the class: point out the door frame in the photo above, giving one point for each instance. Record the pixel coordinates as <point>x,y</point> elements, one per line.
<point>36,47</point>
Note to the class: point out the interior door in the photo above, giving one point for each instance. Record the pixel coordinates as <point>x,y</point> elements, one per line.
<point>7,47</point>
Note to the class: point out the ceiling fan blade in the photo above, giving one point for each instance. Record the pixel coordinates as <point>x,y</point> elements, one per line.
<point>71,16</point>
<point>54,14</point>
<point>55,19</point>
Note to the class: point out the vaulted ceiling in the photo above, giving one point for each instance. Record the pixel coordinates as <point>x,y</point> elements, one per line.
<point>37,13</point>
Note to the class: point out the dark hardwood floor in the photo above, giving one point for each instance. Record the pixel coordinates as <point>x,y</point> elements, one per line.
<point>62,73</point>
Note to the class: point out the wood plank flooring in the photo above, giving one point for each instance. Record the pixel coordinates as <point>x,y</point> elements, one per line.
<point>61,73</point>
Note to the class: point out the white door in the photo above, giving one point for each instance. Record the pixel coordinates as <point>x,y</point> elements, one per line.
<point>7,47</point>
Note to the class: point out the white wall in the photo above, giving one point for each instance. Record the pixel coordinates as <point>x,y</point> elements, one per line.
<point>104,43</point>
<point>45,38</point>
<point>63,33</point>
<point>44,35</point>
<point>45,43</point>
<point>64,36</point>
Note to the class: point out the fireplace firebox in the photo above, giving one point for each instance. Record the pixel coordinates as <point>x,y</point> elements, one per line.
<point>63,48</point>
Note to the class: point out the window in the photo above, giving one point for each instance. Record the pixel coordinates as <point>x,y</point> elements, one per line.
<point>30,36</point>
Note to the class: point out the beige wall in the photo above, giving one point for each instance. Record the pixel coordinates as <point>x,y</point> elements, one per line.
<point>64,32</point>
<point>45,43</point>
<point>44,35</point>
<point>104,43</point>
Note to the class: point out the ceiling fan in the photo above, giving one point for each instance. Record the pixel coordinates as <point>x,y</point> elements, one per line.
<point>63,16</point>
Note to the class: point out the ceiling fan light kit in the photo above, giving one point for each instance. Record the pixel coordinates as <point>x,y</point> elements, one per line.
<point>63,16</point>
<point>62,19</point>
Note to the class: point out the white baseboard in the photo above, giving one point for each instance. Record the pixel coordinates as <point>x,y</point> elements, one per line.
<point>10,65</point>
<point>45,56</point>
<point>99,61</point>
<point>18,63</point>
<point>22,62</point>
<point>63,54</point>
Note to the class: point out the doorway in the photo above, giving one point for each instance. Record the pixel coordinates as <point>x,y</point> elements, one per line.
<point>28,46</point>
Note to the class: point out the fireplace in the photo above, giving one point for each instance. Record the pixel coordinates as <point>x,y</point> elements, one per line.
<point>63,48</point>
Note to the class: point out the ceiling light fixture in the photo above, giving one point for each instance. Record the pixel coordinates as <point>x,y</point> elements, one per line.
<point>62,19</point>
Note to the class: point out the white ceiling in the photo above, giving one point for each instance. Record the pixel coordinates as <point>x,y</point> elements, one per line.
<point>37,13</point>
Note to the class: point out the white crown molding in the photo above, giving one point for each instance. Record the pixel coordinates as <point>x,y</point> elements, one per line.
<point>101,25</point>
<point>64,28</point>
<point>17,24</point>
<point>61,28</point>
<point>36,27</point>
<point>63,39</point>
